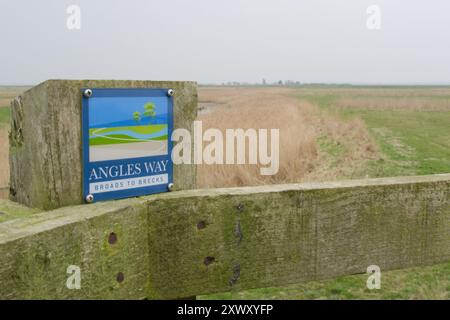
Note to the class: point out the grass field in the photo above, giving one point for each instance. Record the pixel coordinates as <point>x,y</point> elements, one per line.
<point>340,132</point>
<point>5,96</point>
<point>4,116</point>
<point>410,125</point>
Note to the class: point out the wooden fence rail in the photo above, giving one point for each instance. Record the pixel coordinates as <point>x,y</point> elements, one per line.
<point>196,242</point>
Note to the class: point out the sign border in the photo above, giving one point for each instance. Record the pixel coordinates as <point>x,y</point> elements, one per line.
<point>121,92</point>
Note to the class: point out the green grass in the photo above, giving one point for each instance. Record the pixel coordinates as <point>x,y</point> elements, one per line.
<point>411,142</point>
<point>333,149</point>
<point>431,282</point>
<point>4,116</point>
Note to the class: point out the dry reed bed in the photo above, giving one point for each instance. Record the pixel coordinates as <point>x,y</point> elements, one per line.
<point>8,93</point>
<point>302,126</point>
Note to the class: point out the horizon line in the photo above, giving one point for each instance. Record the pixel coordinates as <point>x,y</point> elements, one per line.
<point>291,83</point>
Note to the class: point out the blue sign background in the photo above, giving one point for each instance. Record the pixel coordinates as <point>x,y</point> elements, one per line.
<point>110,128</point>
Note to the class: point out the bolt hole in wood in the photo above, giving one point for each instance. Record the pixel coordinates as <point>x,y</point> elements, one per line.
<point>120,277</point>
<point>112,239</point>
<point>201,225</point>
<point>208,260</point>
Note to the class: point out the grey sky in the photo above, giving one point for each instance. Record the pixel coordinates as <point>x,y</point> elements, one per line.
<point>214,41</point>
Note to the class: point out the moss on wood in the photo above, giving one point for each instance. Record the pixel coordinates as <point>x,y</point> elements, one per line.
<point>188,243</point>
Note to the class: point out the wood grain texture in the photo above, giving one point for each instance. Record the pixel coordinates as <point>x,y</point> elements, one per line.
<point>45,139</point>
<point>40,248</point>
<point>195,242</point>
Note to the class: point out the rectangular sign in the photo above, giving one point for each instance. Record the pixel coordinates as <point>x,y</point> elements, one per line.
<point>126,142</point>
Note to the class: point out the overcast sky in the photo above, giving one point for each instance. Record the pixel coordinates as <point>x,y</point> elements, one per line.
<point>215,41</point>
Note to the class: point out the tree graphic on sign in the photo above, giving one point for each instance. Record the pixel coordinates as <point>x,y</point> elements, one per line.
<point>149,111</point>
<point>137,116</point>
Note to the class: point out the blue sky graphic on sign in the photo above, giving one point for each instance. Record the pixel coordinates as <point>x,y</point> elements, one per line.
<point>126,143</point>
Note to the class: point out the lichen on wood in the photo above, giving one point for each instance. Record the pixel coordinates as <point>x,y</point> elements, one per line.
<point>195,242</point>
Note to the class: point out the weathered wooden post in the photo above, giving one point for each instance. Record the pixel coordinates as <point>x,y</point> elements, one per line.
<point>46,151</point>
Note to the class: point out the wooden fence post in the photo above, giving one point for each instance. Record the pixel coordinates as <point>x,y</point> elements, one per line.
<point>45,139</point>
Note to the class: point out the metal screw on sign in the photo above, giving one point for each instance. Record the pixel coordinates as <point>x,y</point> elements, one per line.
<point>87,93</point>
<point>89,198</point>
